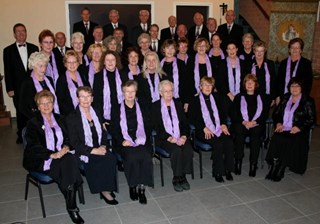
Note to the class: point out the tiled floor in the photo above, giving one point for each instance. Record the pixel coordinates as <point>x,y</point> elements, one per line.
<point>245,200</point>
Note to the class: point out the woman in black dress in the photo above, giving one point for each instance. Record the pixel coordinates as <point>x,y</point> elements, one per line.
<point>172,130</point>
<point>208,114</point>
<point>89,140</point>
<point>48,151</point>
<point>248,114</point>
<point>132,134</point>
<point>293,119</point>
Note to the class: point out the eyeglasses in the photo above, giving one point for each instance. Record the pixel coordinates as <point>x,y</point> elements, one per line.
<point>72,62</point>
<point>167,91</point>
<point>85,97</point>
<point>45,104</point>
<point>294,86</point>
<point>47,42</point>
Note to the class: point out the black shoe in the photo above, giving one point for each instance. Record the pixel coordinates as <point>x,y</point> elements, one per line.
<point>142,196</point>
<point>229,176</point>
<point>219,178</point>
<point>19,140</point>
<point>133,193</point>
<point>112,194</point>
<point>237,166</point>
<point>110,202</point>
<point>120,166</point>
<point>75,216</point>
<point>176,184</point>
<point>184,183</point>
<point>253,169</point>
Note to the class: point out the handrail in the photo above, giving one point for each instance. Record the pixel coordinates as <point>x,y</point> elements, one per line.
<point>264,13</point>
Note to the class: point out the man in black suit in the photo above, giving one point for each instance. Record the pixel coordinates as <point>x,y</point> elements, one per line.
<point>212,28</point>
<point>182,31</point>
<point>142,27</point>
<point>155,42</point>
<point>60,50</point>
<point>230,31</point>
<point>98,35</point>
<point>114,23</point>
<point>86,28</point>
<point>15,61</point>
<point>198,30</point>
<point>169,32</point>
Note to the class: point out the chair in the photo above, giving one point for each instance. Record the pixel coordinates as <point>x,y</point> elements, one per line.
<point>37,179</point>
<point>160,153</point>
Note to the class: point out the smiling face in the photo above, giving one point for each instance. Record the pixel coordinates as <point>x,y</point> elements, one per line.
<point>144,44</point>
<point>39,69</point>
<point>98,34</point>
<point>72,64</point>
<point>169,51</point>
<point>133,58</point>
<point>110,62</point>
<point>259,52</point>
<point>151,62</point>
<point>232,51</point>
<point>114,17</point>
<point>216,41</point>
<point>206,88</point>
<point>77,45</point>
<point>183,48</point>
<point>295,89</point>
<point>247,43</point>
<point>85,15</point>
<point>250,86</point>
<point>230,16</point>
<point>112,45</point>
<point>47,45</point>
<point>45,105</point>
<point>96,54</point>
<point>167,92</point>
<point>20,34</point>
<point>129,93</point>
<point>295,50</point>
<point>85,99</point>
<point>202,48</point>
<point>144,16</point>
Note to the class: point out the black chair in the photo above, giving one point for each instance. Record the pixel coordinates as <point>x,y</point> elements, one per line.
<point>37,179</point>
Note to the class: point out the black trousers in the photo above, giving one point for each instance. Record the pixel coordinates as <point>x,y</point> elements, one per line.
<point>101,173</point>
<point>255,134</point>
<point>222,153</point>
<point>181,156</point>
<point>138,167</point>
<point>21,118</point>
<point>65,171</point>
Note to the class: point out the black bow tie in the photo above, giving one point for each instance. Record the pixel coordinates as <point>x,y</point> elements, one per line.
<point>21,45</point>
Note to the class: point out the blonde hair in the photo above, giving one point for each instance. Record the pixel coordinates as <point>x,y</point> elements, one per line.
<point>158,65</point>
<point>94,46</point>
<point>199,41</point>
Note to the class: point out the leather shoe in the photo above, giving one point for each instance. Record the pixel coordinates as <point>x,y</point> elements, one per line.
<point>176,184</point>
<point>110,202</point>
<point>133,193</point>
<point>120,166</point>
<point>184,183</point>
<point>142,196</point>
<point>229,176</point>
<point>75,216</point>
<point>219,178</point>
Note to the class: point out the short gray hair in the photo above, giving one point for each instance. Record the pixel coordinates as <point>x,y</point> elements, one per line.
<point>37,57</point>
<point>165,82</point>
<point>77,35</point>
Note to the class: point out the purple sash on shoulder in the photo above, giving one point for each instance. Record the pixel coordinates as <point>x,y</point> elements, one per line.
<point>289,112</point>
<point>91,73</point>
<point>52,70</point>
<point>234,85</point>
<point>185,60</point>
<point>175,73</point>
<point>221,53</point>
<point>196,71</point>
<point>72,87</point>
<point>267,75</point>
<point>244,108</point>
<point>155,95</point>
<point>130,74</point>
<point>171,126</point>
<point>288,71</point>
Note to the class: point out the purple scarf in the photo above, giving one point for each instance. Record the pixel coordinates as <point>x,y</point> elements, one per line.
<point>49,135</point>
<point>87,130</point>
<point>216,130</point>
<point>289,112</point>
<point>52,70</point>
<point>234,85</point>
<point>39,88</point>
<point>221,53</point>
<point>72,87</point>
<point>244,108</point>
<point>196,71</point>
<point>288,71</point>
<point>140,133</point>
<point>86,59</point>
<point>167,122</point>
<point>185,60</point>
<point>155,95</point>
<point>267,75</point>
<point>130,74</point>
<point>91,73</point>
<point>107,93</point>
<point>175,73</point>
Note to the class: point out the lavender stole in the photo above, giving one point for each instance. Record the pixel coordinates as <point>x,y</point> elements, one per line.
<point>49,135</point>
<point>155,95</point>
<point>221,53</point>
<point>130,74</point>
<point>140,133</point>
<point>289,112</point>
<point>107,94</point>
<point>91,73</point>
<point>196,71</point>
<point>87,130</point>
<point>86,59</point>
<point>185,60</point>
<point>244,108</point>
<point>52,70</point>
<point>171,126</point>
<point>72,87</point>
<point>234,85</point>
<point>175,73</point>
<point>267,75</point>
<point>39,88</point>
<point>288,71</point>
<point>215,129</point>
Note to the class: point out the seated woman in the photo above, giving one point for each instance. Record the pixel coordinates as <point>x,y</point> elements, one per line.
<point>132,134</point>
<point>249,113</point>
<point>208,114</point>
<point>48,152</point>
<point>89,140</point>
<point>172,130</point>
<point>289,145</point>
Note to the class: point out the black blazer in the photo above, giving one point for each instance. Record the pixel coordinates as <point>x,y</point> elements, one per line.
<point>27,105</point>
<point>158,124</point>
<point>166,34</point>
<point>236,34</point>
<point>135,33</point>
<point>108,30</point>
<point>76,133</point>
<point>88,37</point>
<point>192,36</point>
<point>36,151</point>
<point>14,70</point>
<point>59,59</point>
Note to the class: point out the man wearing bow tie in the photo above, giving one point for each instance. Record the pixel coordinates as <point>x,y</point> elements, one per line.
<point>15,61</point>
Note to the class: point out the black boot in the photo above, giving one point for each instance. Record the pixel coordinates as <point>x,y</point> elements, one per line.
<point>229,175</point>
<point>237,166</point>
<point>279,173</point>
<point>273,169</point>
<point>73,210</point>
<point>253,169</point>
<point>142,196</point>
<point>133,193</point>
